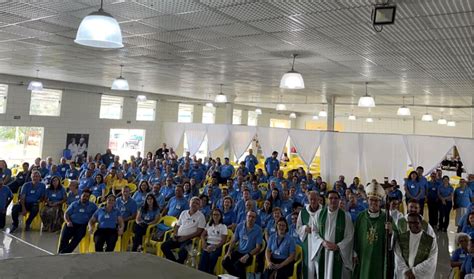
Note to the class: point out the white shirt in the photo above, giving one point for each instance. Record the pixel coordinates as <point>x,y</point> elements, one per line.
<point>414,242</point>
<point>189,224</point>
<point>215,233</point>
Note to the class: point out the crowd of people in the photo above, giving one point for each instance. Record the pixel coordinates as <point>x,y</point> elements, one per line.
<point>262,215</point>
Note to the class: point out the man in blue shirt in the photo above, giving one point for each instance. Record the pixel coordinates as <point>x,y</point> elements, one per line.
<point>176,204</point>
<point>32,193</point>
<point>226,171</point>
<point>197,173</point>
<point>272,164</point>
<point>250,238</point>
<point>76,217</point>
<point>6,197</point>
<point>463,197</point>
<point>21,178</point>
<point>424,185</point>
<point>251,161</point>
<point>63,167</point>
<point>126,205</point>
<point>168,190</point>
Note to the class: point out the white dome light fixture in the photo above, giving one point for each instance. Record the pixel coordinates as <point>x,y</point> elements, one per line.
<point>451,124</point>
<point>258,111</point>
<point>220,98</point>
<point>403,110</point>
<point>366,101</point>
<point>120,83</point>
<point>35,85</point>
<point>209,105</point>
<point>280,107</point>
<point>99,30</point>
<point>427,117</point>
<point>141,99</point>
<point>369,120</point>
<point>292,115</point>
<point>315,117</point>
<point>442,121</point>
<point>292,79</point>
<point>323,114</point>
<point>352,117</point>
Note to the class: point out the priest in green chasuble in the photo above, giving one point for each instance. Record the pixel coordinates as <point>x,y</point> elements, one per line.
<point>304,227</point>
<point>369,237</point>
<point>332,243</point>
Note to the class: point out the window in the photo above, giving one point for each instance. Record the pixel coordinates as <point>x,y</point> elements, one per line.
<point>208,115</point>
<point>185,113</point>
<point>280,123</point>
<point>237,117</point>
<point>126,142</point>
<point>3,97</point>
<point>46,102</point>
<point>146,110</point>
<point>21,144</point>
<point>111,107</point>
<point>252,119</point>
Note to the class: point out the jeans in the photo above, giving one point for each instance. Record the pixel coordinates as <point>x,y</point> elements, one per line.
<point>234,266</point>
<point>445,209</point>
<point>33,208</point>
<point>208,260</point>
<point>171,244</point>
<point>71,237</point>
<point>433,212</point>
<point>140,231</point>
<point>105,236</point>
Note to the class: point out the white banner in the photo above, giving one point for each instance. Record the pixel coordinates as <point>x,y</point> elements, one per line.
<point>240,139</point>
<point>217,135</point>
<point>173,134</point>
<point>307,143</point>
<point>195,134</point>
<point>272,139</point>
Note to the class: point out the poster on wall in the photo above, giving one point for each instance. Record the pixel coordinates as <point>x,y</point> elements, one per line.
<point>76,147</point>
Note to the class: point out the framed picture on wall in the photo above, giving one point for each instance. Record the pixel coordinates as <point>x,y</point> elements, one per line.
<point>76,147</point>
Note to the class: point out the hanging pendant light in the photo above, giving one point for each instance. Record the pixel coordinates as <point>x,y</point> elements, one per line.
<point>258,111</point>
<point>369,120</point>
<point>403,110</point>
<point>209,105</point>
<point>323,114</point>
<point>292,79</point>
<point>427,117</point>
<point>120,83</point>
<point>366,101</point>
<point>280,107</point>
<point>315,117</point>
<point>220,98</point>
<point>100,30</point>
<point>141,99</point>
<point>352,117</point>
<point>292,115</point>
<point>442,121</point>
<point>451,124</point>
<point>35,85</point>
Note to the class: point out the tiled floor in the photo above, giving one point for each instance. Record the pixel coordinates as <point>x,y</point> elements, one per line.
<point>34,243</point>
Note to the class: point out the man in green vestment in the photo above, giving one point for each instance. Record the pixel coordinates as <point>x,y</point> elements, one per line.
<point>305,229</point>
<point>369,237</point>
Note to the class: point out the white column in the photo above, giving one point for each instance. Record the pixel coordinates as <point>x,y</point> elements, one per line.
<point>331,112</point>
<point>229,112</point>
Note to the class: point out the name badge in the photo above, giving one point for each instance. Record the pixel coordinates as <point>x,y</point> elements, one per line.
<point>20,177</point>
<point>353,210</point>
<point>107,216</point>
<point>77,196</point>
<point>461,192</point>
<point>82,210</point>
<point>32,191</point>
<point>53,195</point>
<point>123,208</point>
<point>147,218</point>
<point>245,237</point>
<point>95,188</point>
<point>178,206</point>
<point>412,186</point>
<point>434,189</point>
<point>277,252</point>
<point>63,169</point>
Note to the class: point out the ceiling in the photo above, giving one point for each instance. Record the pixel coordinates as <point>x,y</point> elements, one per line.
<point>187,48</point>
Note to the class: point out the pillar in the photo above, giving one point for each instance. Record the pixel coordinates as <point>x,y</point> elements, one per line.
<point>331,112</point>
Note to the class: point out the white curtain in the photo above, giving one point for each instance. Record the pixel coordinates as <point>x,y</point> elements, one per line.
<point>383,156</point>
<point>306,143</point>
<point>340,154</point>
<point>427,151</point>
<point>173,134</point>
<point>272,139</point>
<point>195,134</point>
<point>240,138</point>
<point>217,135</point>
<point>466,151</point>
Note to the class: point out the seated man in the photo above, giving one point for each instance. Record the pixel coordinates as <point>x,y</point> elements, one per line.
<point>177,204</point>
<point>190,224</point>
<point>21,178</point>
<point>126,205</point>
<point>250,239</point>
<point>32,193</point>
<point>76,217</point>
<point>416,253</point>
<point>6,197</point>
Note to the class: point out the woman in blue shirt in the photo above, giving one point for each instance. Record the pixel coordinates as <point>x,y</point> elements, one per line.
<point>52,213</point>
<point>459,255</point>
<point>148,215</point>
<point>271,227</point>
<point>413,188</point>
<point>265,213</point>
<point>98,189</point>
<point>445,195</point>
<point>140,195</point>
<point>280,252</point>
<point>110,226</point>
<point>468,228</point>
<point>5,172</point>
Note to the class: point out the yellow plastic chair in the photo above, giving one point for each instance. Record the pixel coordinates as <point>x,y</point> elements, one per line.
<point>93,199</point>
<point>133,187</point>
<point>118,244</point>
<point>36,223</point>
<point>83,245</point>
<point>298,263</point>
<point>15,198</point>
<point>250,268</point>
<point>15,171</point>
<point>219,269</point>
<point>66,183</point>
<point>169,221</point>
<point>127,235</point>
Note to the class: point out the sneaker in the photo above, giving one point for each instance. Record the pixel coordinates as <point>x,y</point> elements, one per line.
<point>13,228</point>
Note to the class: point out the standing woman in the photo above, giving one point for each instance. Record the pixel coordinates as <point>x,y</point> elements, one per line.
<point>280,252</point>
<point>445,195</point>
<point>110,226</point>
<point>212,239</point>
<point>149,214</point>
<point>99,188</point>
<point>414,190</point>
<point>5,172</point>
<point>140,195</point>
<point>52,212</point>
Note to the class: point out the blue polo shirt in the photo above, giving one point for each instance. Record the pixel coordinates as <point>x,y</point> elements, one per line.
<point>176,206</point>
<point>5,195</point>
<point>150,215</point>
<point>72,198</point>
<point>471,185</point>
<point>97,189</point>
<point>248,238</point>
<point>167,192</point>
<point>415,188</point>
<point>294,234</point>
<point>264,217</point>
<point>432,190</point>
<point>55,196</point>
<point>445,191</point>
<point>33,194</point>
<point>459,255</point>
<point>271,165</point>
<point>156,179</point>
<point>281,249</point>
<point>86,183</point>
<point>197,173</point>
<point>80,213</point>
<point>250,163</point>
<point>126,209</point>
<point>226,171</point>
<point>354,212</point>
<point>62,169</point>
<point>255,194</point>
<point>72,174</point>
<point>160,200</point>
<point>139,198</point>
<point>142,176</point>
<point>271,228</point>
<point>301,198</point>
<point>106,219</point>
<point>468,265</point>
<point>462,197</point>
<point>286,206</point>
<point>229,218</point>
